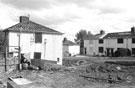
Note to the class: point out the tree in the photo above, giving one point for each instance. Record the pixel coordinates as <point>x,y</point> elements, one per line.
<point>2,40</point>
<point>82,34</point>
<point>80,38</point>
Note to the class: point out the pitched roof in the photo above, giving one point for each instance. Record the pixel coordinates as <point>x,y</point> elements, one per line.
<point>127,34</point>
<point>30,26</point>
<point>93,37</point>
<point>68,43</point>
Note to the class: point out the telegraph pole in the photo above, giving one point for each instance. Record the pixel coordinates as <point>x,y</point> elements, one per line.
<point>6,60</point>
<point>19,49</point>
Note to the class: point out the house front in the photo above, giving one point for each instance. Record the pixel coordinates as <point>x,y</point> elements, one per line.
<point>93,44</point>
<point>39,42</point>
<point>120,40</point>
<point>108,44</point>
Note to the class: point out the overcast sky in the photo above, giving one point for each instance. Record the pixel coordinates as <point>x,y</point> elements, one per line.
<point>69,16</point>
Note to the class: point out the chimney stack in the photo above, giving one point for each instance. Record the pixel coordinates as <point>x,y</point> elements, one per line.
<point>102,32</point>
<point>132,29</point>
<point>24,19</point>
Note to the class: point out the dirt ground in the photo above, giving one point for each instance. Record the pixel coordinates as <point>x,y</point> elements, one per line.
<point>80,74</point>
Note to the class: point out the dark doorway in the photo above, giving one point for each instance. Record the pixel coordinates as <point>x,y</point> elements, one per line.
<point>110,52</point>
<point>107,52</point>
<point>133,51</point>
<point>85,51</point>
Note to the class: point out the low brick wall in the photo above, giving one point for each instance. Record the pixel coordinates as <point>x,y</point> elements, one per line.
<point>40,62</point>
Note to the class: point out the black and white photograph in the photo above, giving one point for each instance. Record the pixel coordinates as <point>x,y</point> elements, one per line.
<point>67,44</point>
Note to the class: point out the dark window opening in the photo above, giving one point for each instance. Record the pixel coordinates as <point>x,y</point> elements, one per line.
<point>120,40</point>
<point>101,49</point>
<point>37,55</point>
<point>101,41</point>
<point>133,40</point>
<point>133,51</point>
<point>38,37</point>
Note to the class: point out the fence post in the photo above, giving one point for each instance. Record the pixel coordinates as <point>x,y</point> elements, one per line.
<point>6,60</point>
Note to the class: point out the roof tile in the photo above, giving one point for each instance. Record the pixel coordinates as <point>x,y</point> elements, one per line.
<point>120,35</point>
<point>30,26</point>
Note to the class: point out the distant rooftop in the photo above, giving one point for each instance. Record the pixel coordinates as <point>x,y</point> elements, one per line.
<point>96,36</point>
<point>127,34</point>
<point>68,42</point>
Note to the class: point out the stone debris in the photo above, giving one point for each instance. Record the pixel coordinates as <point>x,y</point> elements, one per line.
<point>110,73</point>
<point>57,76</point>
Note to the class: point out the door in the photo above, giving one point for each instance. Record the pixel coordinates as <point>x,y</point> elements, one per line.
<point>85,51</point>
<point>112,54</point>
<point>107,52</point>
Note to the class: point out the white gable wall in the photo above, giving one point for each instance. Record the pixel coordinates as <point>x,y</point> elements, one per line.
<point>50,48</point>
<point>90,46</point>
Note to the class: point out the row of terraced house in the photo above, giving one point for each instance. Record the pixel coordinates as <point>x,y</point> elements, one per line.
<point>106,44</point>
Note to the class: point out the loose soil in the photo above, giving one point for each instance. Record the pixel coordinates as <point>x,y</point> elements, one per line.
<point>79,74</point>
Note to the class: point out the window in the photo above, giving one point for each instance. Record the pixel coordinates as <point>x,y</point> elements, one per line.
<point>38,37</point>
<point>133,40</point>
<point>101,49</point>
<point>101,41</point>
<point>37,55</point>
<point>133,51</point>
<point>120,40</point>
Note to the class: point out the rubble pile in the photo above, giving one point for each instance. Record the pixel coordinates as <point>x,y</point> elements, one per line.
<point>111,73</point>
<point>76,62</point>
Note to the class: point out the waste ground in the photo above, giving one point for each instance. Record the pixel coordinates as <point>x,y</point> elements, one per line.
<point>77,74</point>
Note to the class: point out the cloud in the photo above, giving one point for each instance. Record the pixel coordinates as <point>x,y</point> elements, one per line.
<point>130,20</point>
<point>109,10</point>
<point>40,4</point>
<point>55,20</point>
<point>28,4</point>
<point>80,3</point>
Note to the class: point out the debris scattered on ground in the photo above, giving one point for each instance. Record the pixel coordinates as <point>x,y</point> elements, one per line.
<point>76,74</point>
<point>110,73</point>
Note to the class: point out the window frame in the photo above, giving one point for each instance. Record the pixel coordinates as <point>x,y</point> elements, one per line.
<point>133,52</point>
<point>120,40</point>
<point>37,55</point>
<point>100,41</point>
<point>38,37</point>
<point>101,49</point>
<point>133,40</point>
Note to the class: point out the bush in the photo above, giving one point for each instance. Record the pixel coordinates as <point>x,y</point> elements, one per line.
<point>123,52</point>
